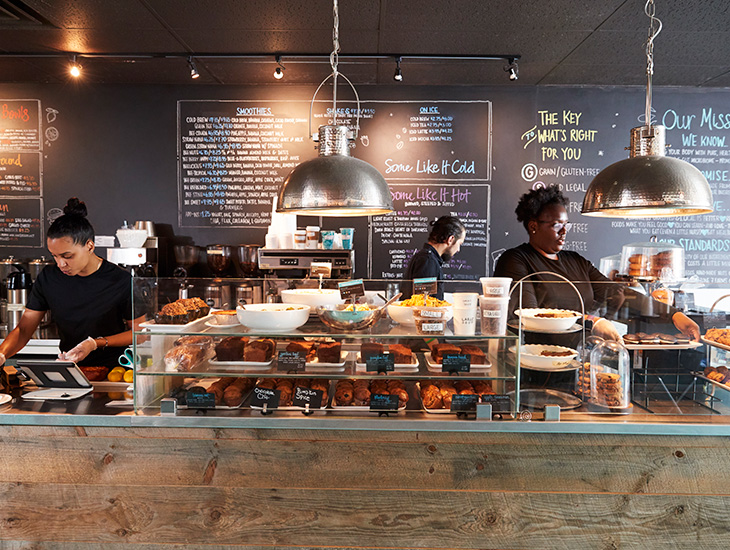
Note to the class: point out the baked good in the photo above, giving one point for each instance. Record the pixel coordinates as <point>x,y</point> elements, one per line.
<point>95,374</point>
<point>631,339</point>
<point>361,396</point>
<point>231,348</point>
<point>218,387</point>
<point>329,352</point>
<point>194,340</point>
<point>368,349</point>
<point>259,351</point>
<point>172,314</point>
<point>439,350</point>
<point>183,358</point>
<point>431,396</point>
<point>401,354</point>
<point>475,353</point>
<point>343,393</point>
<point>608,389</point>
<point>308,349</point>
<point>233,395</point>
<point>482,387</point>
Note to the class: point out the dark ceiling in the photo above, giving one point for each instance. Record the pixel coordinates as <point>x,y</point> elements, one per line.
<point>561,42</point>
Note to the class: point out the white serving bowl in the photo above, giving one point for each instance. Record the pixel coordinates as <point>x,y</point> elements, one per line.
<point>131,238</point>
<point>530,321</point>
<point>312,297</point>
<point>530,356</point>
<point>273,317</point>
<point>403,315</point>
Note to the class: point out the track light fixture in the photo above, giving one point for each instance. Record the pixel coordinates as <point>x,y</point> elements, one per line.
<point>279,71</point>
<point>512,69</point>
<point>193,70</point>
<point>398,75</point>
<point>74,69</point>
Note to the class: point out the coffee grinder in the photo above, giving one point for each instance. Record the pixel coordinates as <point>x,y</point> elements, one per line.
<point>249,292</point>
<point>217,294</point>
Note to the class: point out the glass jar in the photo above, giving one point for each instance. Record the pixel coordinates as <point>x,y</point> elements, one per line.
<point>610,377</point>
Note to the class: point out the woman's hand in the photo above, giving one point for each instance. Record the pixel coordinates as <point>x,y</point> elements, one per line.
<point>605,329</point>
<point>79,352</point>
<point>686,326</point>
<point>2,359</point>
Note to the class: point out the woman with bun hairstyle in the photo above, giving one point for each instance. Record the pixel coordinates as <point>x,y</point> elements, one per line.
<point>90,299</point>
<point>543,212</point>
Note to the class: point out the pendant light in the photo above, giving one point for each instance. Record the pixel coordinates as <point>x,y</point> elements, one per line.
<point>334,183</point>
<point>648,184</point>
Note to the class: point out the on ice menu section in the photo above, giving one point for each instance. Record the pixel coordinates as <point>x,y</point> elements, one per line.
<point>233,156</point>
<point>21,189</point>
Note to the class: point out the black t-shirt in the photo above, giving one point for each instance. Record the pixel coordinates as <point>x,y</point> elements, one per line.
<point>96,305</point>
<point>424,263</point>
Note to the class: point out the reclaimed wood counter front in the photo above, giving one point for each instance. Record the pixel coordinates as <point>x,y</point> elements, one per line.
<point>138,488</point>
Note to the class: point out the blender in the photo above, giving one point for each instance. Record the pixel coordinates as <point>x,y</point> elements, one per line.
<point>248,262</point>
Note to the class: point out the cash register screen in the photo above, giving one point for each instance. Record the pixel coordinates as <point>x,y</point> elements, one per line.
<point>54,374</point>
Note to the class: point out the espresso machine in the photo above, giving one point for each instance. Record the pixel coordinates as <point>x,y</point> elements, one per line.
<point>297,264</point>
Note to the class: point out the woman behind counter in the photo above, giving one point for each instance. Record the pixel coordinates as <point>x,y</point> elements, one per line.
<point>544,215</point>
<point>89,298</point>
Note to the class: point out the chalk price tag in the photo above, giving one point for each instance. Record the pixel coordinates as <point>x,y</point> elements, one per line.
<point>427,285</point>
<point>265,395</point>
<point>464,403</point>
<point>382,362</point>
<point>383,402</point>
<point>197,400</point>
<point>305,396</point>
<point>291,360</point>
<point>456,362</point>
<point>351,289</point>
<point>500,403</point>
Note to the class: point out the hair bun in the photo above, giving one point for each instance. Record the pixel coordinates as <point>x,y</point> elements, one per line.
<point>75,207</point>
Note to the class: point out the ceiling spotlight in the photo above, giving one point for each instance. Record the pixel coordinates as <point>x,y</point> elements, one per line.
<point>512,69</point>
<point>74,69</point>
<point>193,70</point>
<point>398,75</point>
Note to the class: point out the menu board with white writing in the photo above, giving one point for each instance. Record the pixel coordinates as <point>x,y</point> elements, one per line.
<point>20,174</point>
<point>20,222</point>
<point>20,124</point>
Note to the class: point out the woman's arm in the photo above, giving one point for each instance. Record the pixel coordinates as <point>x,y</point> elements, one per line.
<point>20,335</point>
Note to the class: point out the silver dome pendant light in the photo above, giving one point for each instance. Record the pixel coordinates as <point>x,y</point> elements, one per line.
<point>334,183</point>
<point>648,184</point>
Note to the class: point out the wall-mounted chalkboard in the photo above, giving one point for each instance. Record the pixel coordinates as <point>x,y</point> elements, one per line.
<point>120,149</point>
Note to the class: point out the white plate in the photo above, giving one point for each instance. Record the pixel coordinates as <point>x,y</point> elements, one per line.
<point>575,328</point>
<point>5,398</point>
<point>399,367</point>
<point>154,327</point>
<point>316,366</point>
<point>714,344</point>
<point>244,366</point>
<point>533,323</point>
<point>691,345</point>
<point>547,365</point>
<point>432,366</point>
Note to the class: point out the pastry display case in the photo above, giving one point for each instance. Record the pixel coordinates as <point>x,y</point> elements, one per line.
<point>653,261</point>
<point>286,358</point>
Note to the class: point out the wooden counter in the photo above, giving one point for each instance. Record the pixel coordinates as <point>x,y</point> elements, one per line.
<point>136,488</point>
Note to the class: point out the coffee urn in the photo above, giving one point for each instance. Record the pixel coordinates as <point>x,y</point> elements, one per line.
<point>19,284</point>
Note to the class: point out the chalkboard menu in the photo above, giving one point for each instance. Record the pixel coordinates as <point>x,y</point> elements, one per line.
<point>20,173</point>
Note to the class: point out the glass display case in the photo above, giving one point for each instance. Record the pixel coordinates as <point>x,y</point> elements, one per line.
<point>300,362</point>
<point>283,357</point>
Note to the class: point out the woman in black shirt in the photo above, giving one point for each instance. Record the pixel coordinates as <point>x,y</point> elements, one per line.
<point>544,215</point>
<point>89,298</point>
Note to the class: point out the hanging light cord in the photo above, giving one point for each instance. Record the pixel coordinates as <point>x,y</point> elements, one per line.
<point>655,27</point>
<point>334,57</point>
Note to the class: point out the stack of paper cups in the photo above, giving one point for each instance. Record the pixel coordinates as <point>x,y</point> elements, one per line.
<point>465,313</point>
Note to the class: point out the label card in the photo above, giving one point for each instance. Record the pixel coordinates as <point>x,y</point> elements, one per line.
<point>291,360</point>
<point>464,403</point>
<point>197,400</point>
<point>456,362</point>
<point>265,395</point>
<point>500,403</point>
<point>383,402</point>
<point>382,362</point>
<point>427,285</point>
<point>352,289</point>
<point>304,396</point>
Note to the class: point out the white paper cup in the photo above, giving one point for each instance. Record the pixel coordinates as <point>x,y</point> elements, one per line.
<point>493,313</point>
<point>286,240</point>
<point>496,287</point>
<point>300,238</point>
<point>465,321</point>
<point>272,240</point>
<point>312,236</point>
<point>468,300</point>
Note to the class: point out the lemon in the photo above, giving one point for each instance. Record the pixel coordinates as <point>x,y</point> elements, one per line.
<point>129,376</point>
<point>119,369</point>
<point>115,376</point>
